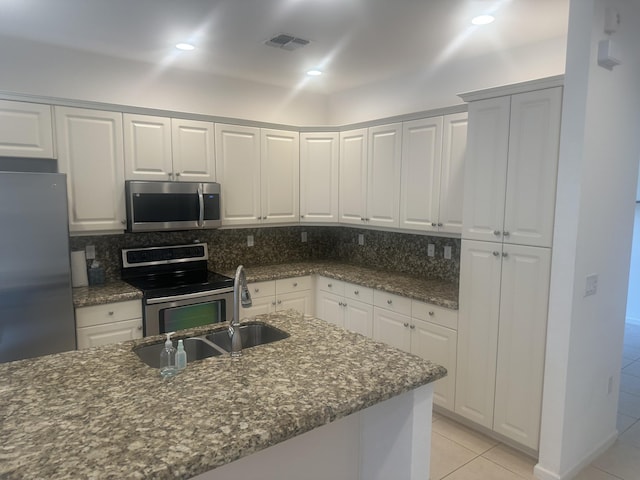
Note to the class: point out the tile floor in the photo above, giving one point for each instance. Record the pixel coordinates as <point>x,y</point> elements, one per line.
<point>459,453</point>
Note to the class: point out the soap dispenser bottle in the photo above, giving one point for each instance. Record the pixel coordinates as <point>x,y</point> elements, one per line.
<point>168,358</point>
<point>181,357</point>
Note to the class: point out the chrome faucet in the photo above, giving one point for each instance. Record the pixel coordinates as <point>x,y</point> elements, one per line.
<point>241,296</point>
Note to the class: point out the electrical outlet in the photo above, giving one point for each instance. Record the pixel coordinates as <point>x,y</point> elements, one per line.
<point>591,287</point>
<point>249,240</point>
<point>304,237</point>
<point>447,252</point>
<point>431,250</point>
<point>360,239</point>
<point>90,252</point>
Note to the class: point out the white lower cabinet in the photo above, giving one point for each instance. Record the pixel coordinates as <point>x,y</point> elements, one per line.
<point>109,323</point>
<point>346,305</point>
<point>282,294</point>
<point>501,337</point>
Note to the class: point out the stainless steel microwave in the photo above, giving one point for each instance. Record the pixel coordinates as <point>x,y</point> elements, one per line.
<point>164,206</point>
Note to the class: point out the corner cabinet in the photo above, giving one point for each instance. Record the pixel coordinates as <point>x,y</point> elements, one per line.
<point>26,130</point>
<point>510,178</point>
<point>90,152</point>
<point>319,154</point>
<point>286,293</point>
<point>161,148</point>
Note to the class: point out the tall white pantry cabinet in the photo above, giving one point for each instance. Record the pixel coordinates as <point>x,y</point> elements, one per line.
<point>510,187</point>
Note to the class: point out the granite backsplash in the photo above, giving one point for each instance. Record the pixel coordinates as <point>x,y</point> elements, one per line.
<point>397,252</point>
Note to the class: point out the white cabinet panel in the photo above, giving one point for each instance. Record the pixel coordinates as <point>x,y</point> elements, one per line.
<point>147,142</point>
<point>319,164</point>
<point>280,176</point>
<point>454,149</point>
<point>26,130</point>
<point>353,176</point>
<point>300,301</point>
<point>358,317</point>
<point>383,173</point>
<point>192,145</point>
<point>107,334</point>
<point>392,328</point>
<point>90,152</point>
<point>109,323</point>
<point>259,305</point>
<point>329,308</point>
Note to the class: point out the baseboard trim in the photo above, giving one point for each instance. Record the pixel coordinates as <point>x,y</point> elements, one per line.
<point>543,473</point>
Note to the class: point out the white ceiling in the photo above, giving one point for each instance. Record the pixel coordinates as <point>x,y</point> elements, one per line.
<point>354,41</point>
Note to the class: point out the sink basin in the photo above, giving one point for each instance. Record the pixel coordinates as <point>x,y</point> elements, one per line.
<point>196,349</point>
<point>214,344</point>
<point>251,333</point>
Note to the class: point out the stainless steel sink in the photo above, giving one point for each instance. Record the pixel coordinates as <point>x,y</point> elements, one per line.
<point>251,333</point>
<point>214,344</point>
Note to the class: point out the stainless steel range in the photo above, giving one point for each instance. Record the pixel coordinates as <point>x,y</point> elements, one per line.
<point>179,291</point>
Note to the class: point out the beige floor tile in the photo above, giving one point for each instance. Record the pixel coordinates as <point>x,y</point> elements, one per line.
<point>474,441</point>
<point>592,473</point>
<point>624,422</point>
<point>482,469</point>
<point>629,404</point>
<point>632,369</point>
<point>512,460</point>
<point>447,456</point>
<point>621,460</point>
<point>630,352</point>
<point>632,436</point>
<point>630,384</point>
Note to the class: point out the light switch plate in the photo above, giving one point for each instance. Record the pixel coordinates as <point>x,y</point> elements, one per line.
<point>591,287</point>
<point>249,240</point>
<point>90,252</point>
<point>304,237</point>
<point>431,250</point>
<point>360,239</point>
<point>447,252</point>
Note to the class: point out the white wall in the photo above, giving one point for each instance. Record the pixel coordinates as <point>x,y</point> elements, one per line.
<point>597,175</point>
<point>38,69</point>
<point>437,86</point>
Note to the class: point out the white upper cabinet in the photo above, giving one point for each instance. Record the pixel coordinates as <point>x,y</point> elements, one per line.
<point>510,177</point>
<point>193,150</point>
<point>160,148</point>
<point>26,130</point>
<point>454,149</point>
<point>90,152</point>
<point>238,172</point>
<point>383,173</point>
<point>353,176</point>
<point>319,177</point>
<point>280,174</point>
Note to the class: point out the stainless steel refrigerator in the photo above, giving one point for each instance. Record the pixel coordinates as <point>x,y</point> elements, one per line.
<point>36,307</point>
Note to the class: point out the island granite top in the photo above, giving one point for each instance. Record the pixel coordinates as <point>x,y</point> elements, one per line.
<point>102,413</point>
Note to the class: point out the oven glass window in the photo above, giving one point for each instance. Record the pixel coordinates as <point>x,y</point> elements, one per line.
<point>190,316</point>
<point>165,207</point>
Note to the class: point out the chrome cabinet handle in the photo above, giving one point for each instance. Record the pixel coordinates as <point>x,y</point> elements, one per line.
<point>256,290</point>
<point>340,304</point>
<point>366,219</point>
<point>279,302</point>
<point>496,233</point>
<point>496,254</point>
<point>356,292</point>
<point>139,327</point>
<point>412,327</point>
<point>273,303</point>
<point>295,284</point>
<point>389,302</point>
<point>405,324</point>
<point>301,216</point>
<point>362,219</point>
<point>440,224</point>
<point>506,234</point>
<point>431,314</point>
<point>505,254</point>
<point>329,285</point>
<point>434,224</point>
<point>177,174</point>
<point>124,222</point>
<point>111,314</point>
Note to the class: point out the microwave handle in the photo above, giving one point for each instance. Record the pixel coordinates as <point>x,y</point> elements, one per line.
<point>201,206</point>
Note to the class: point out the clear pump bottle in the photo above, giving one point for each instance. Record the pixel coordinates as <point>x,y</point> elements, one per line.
<point>181,357</point>
<point>168,358</point>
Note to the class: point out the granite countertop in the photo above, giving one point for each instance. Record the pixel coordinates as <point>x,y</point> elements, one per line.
<point>434,291</point>
<point>102,413</point>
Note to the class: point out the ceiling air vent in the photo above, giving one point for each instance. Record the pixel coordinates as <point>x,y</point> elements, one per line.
<point>286,42</point>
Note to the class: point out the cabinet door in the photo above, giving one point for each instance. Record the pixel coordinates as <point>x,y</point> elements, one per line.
<point>438,344</point>
<point>358,317</point>
<point>238,172</point>
<point>90,152</point>
<point>383,173</point>
<point>259,305</point>
<point>109,333</point>
<point>478,317</point>
<point>420,184</point>
<point>147,152</point>
<point>454,148</point>
<point>319,177</point>
<point>533,163</point>
<point>192,149</point>
<point>299,301</point>
<point>329,307</point>
<point>521,343</point>
<point>392,328</point>
<point>280,173</point>
<point>353,176</point>
<point>26,130</point>
<point>486,169</point>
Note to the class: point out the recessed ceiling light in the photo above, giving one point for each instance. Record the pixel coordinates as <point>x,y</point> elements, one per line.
<point>483,19</point>
<point>185,46</point>
<point>314,72</point>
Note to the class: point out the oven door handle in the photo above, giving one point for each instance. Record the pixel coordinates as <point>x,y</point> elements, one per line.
<point>188,296</point>
<point>201,206</point>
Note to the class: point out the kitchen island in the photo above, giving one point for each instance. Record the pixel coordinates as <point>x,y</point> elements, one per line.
<point>102,413</point>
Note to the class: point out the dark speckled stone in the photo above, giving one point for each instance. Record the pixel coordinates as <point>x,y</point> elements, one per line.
<point>102,413</point>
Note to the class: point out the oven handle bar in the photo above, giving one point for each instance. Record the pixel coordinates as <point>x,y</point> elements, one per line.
<point>188,296</point>
<point>201,206</point>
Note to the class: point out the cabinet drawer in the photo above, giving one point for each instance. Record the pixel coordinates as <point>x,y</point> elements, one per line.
<point>357,292</point>
<point>435,314</point>
<point>331,285</point>
<point>108,313</point>
<point>288,285</point>
<point>262,289</point>
<point>392,302</point>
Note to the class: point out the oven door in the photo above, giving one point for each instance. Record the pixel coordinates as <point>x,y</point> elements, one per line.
<point>169,314</point>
